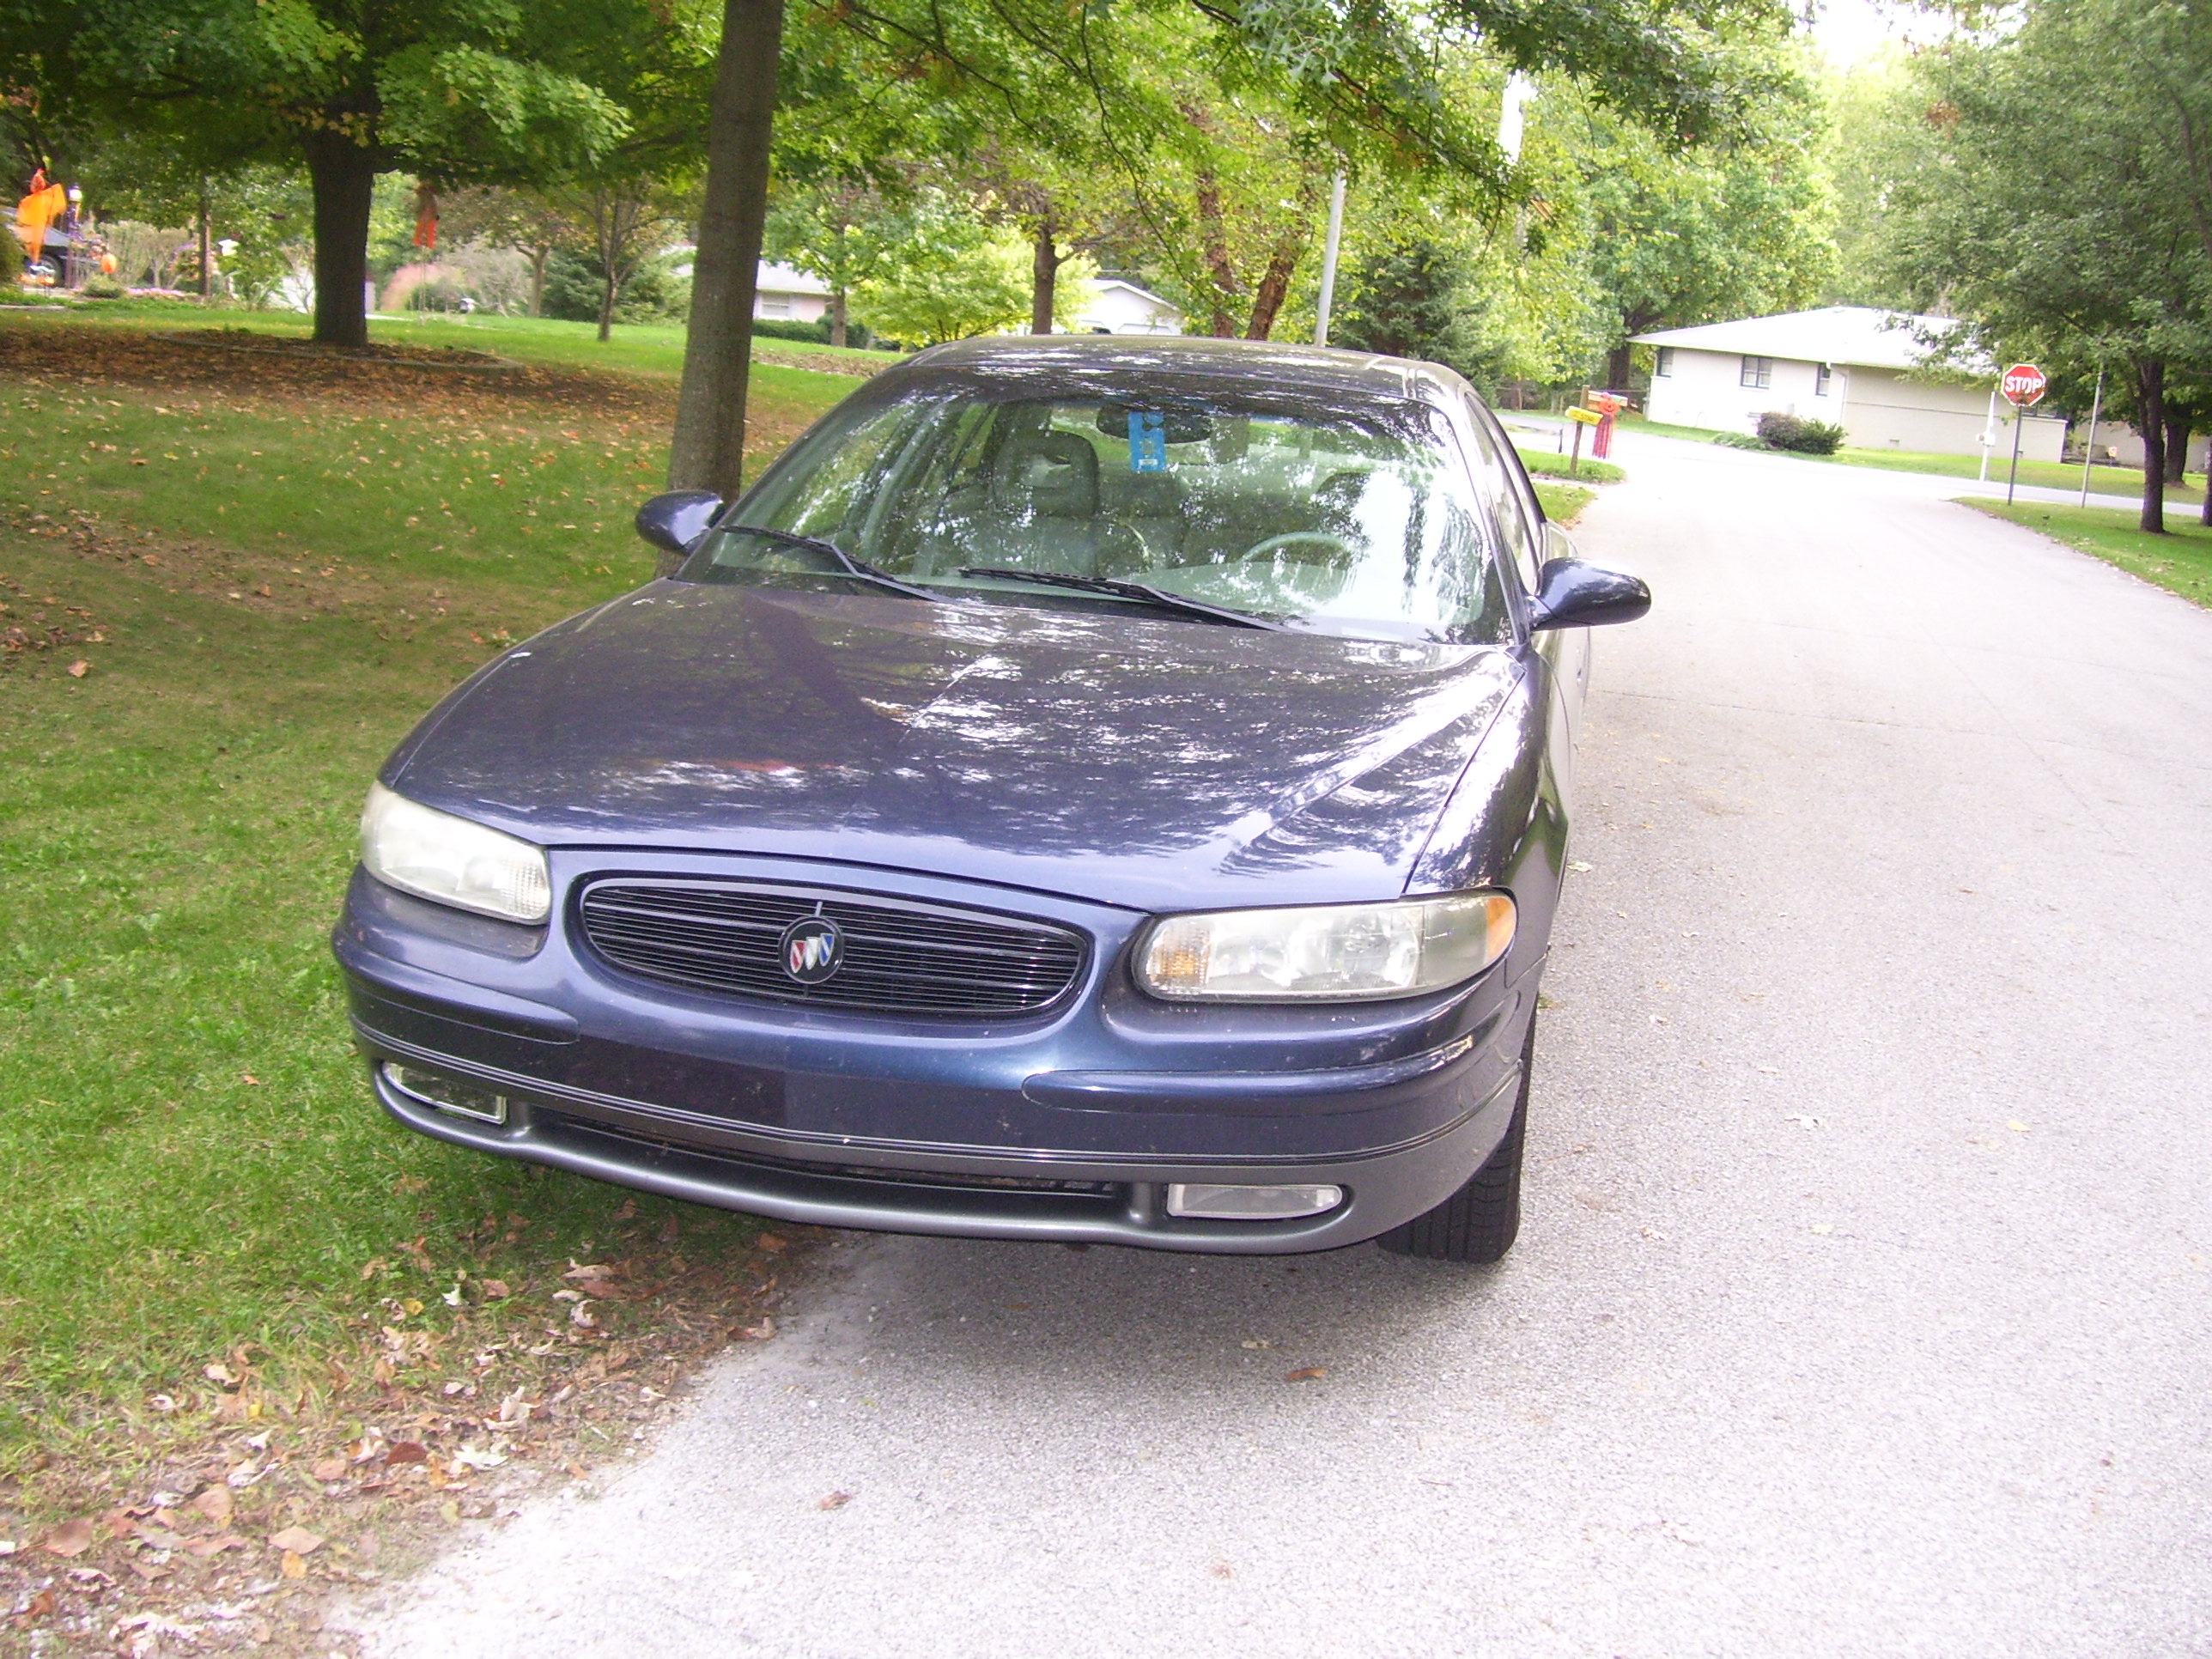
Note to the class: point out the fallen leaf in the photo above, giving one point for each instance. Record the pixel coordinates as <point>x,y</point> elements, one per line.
<point>329,1468</point>
<point>495,1289</point>
<point>295,1566</point>
<point>40,1605</point>
<point>1771,1071</point>
<point>1306,1374</point>
<point>1578,867</point>
<point>1823,1228</point>
<point>2017,1127</point>
<point>79,669</point>
<point>589,1270</point>
<point>1803,1120</point>
<point>407,1451</point>
<point>204,1547</point>
<point>408,1185</point>
<point>295,1540</point>
<point>221,1373</point>
<point>772,1244</point>
<point>250,1077</point>
<point>759,1332</point>
<point>469,1457</point>
<point>72,1538</point>
<point>217,1504</point>
<point>835,1500</point>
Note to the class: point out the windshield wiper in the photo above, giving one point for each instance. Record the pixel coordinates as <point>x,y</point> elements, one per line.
<point>1149,595</point>
<point>846,562</point>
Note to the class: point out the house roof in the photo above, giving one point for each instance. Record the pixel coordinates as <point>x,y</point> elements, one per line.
<point>1859,337</point>
<point>787,279</point>
<point>1143,293</point>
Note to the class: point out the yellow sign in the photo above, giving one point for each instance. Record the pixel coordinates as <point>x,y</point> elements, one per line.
<point>1584,417</point>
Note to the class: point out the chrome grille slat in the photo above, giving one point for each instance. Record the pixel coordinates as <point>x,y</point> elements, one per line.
<point>901,957</point>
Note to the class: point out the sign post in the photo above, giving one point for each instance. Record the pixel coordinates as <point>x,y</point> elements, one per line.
<point>2023,386</point>
<point>1580,418</point>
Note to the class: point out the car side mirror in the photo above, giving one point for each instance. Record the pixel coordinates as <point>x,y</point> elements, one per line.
<point>1572,594</point>
<point>673,521</point>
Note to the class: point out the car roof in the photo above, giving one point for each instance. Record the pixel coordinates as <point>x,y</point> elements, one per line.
<point>1273,365</point>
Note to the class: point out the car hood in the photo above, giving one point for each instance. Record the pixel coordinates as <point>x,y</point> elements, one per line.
<point>1154,763</point>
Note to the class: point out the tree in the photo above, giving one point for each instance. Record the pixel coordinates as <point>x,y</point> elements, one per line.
<point>1361,72</point>
<point>350,88</point>
<point>844,232</point>
<point>2052,205</point>
<point>510,218</point>
<point>1706,233</point>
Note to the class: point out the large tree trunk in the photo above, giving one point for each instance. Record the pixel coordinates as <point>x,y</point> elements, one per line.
<point>344,177</point>
<point>207,243</point>
<point>836,316</point>
<point>538,256</point>
<point>606,307</point>
<point>1045,258</point>
<point>2177,446</point>
<point>1619,366</point>
<point>1274,287</point>
<point>709,450</point>
<point>2150,421</point>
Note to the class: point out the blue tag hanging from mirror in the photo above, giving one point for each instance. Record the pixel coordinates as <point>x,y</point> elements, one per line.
<point>1148,440</point>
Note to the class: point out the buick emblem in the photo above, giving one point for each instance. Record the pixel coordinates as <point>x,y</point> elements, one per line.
<point>813,950</point>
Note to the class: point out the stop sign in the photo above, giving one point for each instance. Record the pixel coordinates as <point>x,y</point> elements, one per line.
<point>2023,385</point>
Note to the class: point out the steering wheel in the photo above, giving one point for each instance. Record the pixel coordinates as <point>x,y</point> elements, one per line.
<point>1338,551</point>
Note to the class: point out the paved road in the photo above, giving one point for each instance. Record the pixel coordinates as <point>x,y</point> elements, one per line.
<point>1862,1304</point>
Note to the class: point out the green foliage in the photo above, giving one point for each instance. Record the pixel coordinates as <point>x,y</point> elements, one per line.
<point>779,328</point>
<point>1795,433</point>
<point>103,288</point>
<point>1685,236</point>
<point>11,259</point>
<point>1405,301</point>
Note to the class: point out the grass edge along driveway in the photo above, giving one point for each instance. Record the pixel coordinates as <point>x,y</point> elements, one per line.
<point>2180,561</point>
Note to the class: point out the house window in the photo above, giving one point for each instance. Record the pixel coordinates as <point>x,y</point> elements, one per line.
<point>1821,378</point>
<point>1665,366</point>
<point>1758,371</point>
<point>776,305</point>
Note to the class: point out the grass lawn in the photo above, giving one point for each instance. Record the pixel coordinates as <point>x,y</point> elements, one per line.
<point>229,584</point>
<point>2048,475</point>
<point>2180,561</point>
<point>1548,463</point>
<point>1563,504</point>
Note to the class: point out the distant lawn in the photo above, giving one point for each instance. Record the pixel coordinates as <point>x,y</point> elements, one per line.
<point>2180,561</point>
<point>636,347</point>
<point>2047,474</point>
<point>1695,434</point>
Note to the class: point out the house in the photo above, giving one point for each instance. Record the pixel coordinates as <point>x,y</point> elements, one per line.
<point>1850,366</point>
<point>789,294</point>
<point>1117,307</point>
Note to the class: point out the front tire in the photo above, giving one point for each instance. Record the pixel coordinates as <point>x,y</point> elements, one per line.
<point>1479,1222</point>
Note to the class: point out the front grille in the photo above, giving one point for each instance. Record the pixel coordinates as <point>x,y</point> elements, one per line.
<point>900,956</point>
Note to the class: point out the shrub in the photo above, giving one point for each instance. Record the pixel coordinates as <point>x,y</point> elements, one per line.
<point>778,328</point>
<point>1740,441</point>
<point>1801,436</point>
<point>102,288</point>
<point>11,257</point>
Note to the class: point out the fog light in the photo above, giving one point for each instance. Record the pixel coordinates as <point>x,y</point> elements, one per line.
<point>1203,1202</point>
<point>444,1094</point>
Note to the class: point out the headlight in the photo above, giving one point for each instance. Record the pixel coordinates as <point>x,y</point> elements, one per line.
<point>435,855</point>
<point>1331,953</point>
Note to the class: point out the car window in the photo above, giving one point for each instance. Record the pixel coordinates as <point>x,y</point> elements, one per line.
<point>1358,521</point>
<point>1505,488</point>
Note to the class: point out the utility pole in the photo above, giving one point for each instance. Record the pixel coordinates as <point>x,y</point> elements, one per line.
<point>2089,446</point>
<point>1329,245</point>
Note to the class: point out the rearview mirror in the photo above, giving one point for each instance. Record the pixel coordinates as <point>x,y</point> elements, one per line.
<point>673,521</point>
<point>1572,594</point>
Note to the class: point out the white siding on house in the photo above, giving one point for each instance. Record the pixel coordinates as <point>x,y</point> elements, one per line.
<point>1889,411</point>
<point>1120,308</point>
<point>1706,388</point>
<point>1878,408</point>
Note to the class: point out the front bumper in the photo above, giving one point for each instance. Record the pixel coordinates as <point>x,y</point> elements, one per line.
<point>1067,1126</point>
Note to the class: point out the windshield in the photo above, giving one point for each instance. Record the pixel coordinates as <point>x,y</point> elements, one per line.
<point>1359,523</point>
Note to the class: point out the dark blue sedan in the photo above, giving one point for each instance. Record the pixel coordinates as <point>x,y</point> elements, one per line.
<point>1089,789</point>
